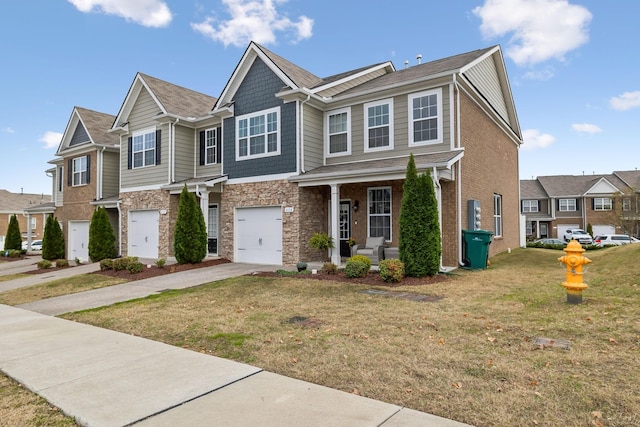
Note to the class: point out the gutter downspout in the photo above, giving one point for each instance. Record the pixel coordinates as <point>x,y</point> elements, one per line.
<point>99,168</point>
<point>172,168</point>
<point>119,228</point>
<point>301,137</point>
<point>438,188</point>
<point>458,167</point>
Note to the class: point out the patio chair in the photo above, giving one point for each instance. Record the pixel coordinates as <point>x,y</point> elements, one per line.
<point>372,249</point>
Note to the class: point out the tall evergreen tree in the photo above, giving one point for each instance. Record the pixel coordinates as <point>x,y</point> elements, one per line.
<point>102,239</point>
<point>53,240</point>
<point>419,226</point>
<point>190,237</point>
<point>14,237</point>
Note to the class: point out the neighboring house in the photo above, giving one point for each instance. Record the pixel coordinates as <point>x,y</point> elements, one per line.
<point>609,203</point>
<point>31,225</point>
<point>85,175</point>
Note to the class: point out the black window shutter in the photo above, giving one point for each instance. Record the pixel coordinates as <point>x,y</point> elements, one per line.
<point>158,146</point>
<point>69,172</point>
<point>219,145</point>
<point>593,204</point>
<point>88,168</point>
<point>60,178</point>
<point>129,152</point>
<point>202,149</point>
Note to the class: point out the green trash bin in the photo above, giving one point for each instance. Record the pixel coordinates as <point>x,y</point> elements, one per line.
<point>476,248</point>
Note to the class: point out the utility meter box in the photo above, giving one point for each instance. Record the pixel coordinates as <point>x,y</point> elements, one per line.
<point>474,215</point>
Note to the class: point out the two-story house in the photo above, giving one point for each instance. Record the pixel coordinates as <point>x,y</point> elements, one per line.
<point>86,173</point>
<point>608,203</point>
<point>31,211</point>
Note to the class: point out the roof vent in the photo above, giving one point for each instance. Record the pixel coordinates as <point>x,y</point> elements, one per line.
<point>419,58</point>
<point>406,64</point>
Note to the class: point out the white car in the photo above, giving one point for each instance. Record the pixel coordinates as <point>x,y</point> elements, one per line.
<point>613,239</point>
<point>36,245</point>
<point>578,234</point>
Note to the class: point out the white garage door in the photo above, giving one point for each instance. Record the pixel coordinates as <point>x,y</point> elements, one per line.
<point>259,235</point>
<point>143,234</point>
<point>603,229</point>
<point>78,240</point>
<point>564,227</point>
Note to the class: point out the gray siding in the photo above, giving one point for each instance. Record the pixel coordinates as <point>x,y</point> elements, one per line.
<point>141,117</point>
<point>185,150</point>
<point>256,93</point>
<point>313,137</point>
<point>484,77</point>
<point>110,174</point>
<point>79,135</point>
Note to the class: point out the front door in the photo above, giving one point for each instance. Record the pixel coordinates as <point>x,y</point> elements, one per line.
<point>345,228</point>
<point>544,230</point>
<point>212,229</point>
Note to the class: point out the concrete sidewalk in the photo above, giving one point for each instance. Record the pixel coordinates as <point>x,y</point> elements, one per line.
<point>106,378</point>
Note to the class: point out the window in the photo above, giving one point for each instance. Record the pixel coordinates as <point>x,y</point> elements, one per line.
<point>497,214</point>
<point>80,171</point>
<point>529,228</point>
<point>338,132</point>
<point>626,204</point>
<point>379,215</point>
<point>567,205</point>
<point>144,148</point>
<point>601,204</point>
<point>210,146</point>
<point>258,135</point>
<point>529,206</point>
<point>34,222</point>
<point>378,119</point>
<point>425,117</point>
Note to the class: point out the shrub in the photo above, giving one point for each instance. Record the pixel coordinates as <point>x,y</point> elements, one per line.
<point>60,263</point>
<point>52,240</point>
<point>102,239</point>
<point>321,241</point>
<point>45,263</point>
<point>190,236</point>
<point>106,264</point>
<point>329,268</point>
<point>356,266</point>
<point>120,264</point>
<point>301,266</point>
<point>13,253</point>
<point>391,270</point>
<point>14,237</point>
<point>161,263</point>
<point>135,267</point>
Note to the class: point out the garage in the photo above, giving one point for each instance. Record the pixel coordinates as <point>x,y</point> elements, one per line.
<point>564,227</point>
<point>143,234</point>
<point>78,240</point>
<point>258,235</point>
<point>603,229</point>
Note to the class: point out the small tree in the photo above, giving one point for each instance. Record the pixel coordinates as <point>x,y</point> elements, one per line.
<point>102,239</point>
<point>14,237</point>
<point>52,240</point>
<point>589,229</point>
<point>190,237</point>
<point>419,239</point>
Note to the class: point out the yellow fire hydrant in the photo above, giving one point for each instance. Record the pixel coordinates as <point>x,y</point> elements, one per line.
<point>574,260</point>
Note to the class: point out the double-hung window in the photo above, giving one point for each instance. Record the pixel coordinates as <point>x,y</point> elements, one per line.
<point>144,148</point>
<point>80,171</point>
<point>379,214</point>
<point>210,146</point>
<point>258,134</point>
<point>529,206</point>
<point>378,119</point>
<point>497,214</point>
<point>338,132</point>
<point>626,204</point>
<point>602,204</point>
<point>425,117</point>
<point>567,205</point>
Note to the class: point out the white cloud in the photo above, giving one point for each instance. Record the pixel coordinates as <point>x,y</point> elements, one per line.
<point>149,13</point>
<point>51,139</point>
<point>540,29</point>
<point>256,20</point>
<point>534,140</point>
<point>626,101</point>
<point>544,74</point>
<point>586,128</point>
<point>8,130</point>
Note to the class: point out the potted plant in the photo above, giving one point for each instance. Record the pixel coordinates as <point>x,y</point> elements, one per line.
<point>301,266</point>
<point>321,241</point>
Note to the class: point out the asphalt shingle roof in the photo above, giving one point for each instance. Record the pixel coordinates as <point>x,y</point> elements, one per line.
<point>97,125</point>
<point>17,202</point>
<point>178,100</point>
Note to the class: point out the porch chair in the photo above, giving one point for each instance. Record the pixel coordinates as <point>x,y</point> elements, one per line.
<point>372,249</point>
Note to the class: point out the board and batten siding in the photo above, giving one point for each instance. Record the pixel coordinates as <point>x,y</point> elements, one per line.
<point>141,118</point>
<point>484,77</point>
<point>313,131</point>
<point>110,174</point>
<point>184,155</point>
<point>400,130</point>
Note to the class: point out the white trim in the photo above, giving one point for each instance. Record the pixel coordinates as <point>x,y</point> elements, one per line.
<point>144,188</point>
<point>142,133</point>
<point>80,183</point>
<point>439,120</point>
<point>389,102</point>
<point>215,146</point>
<point>247,117</point>
<point>260,178</point>
<point>327,115</point>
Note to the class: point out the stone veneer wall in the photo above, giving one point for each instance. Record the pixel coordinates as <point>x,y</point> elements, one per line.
<point>149,200</point>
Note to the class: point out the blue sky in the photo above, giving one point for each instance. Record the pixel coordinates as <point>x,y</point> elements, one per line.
<point>572,64</point>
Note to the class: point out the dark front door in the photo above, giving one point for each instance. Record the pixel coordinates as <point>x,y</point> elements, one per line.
<point>345,228</point>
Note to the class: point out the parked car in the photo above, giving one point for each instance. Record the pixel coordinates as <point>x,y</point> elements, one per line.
<point>550,241</point>
<point>613,239</point>
<point>578,234</point>
<point>36,245</point>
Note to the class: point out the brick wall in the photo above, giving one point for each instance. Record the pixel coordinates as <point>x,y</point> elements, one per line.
<point>151,200</point>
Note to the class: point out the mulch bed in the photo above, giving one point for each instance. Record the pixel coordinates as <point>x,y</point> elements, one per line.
<point>153,270</point>
<point>372,279</point>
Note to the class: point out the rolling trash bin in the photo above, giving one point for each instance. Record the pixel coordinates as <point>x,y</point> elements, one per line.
<point>476,248</point>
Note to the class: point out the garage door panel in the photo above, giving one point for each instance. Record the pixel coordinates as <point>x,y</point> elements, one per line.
<point>143,234</point>
<point>603,229</point>
<point>259,235</point>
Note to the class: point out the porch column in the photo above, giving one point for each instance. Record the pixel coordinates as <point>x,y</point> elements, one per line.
<point>204,207</point>
<point>29,239</point>
<point>335,226</point>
